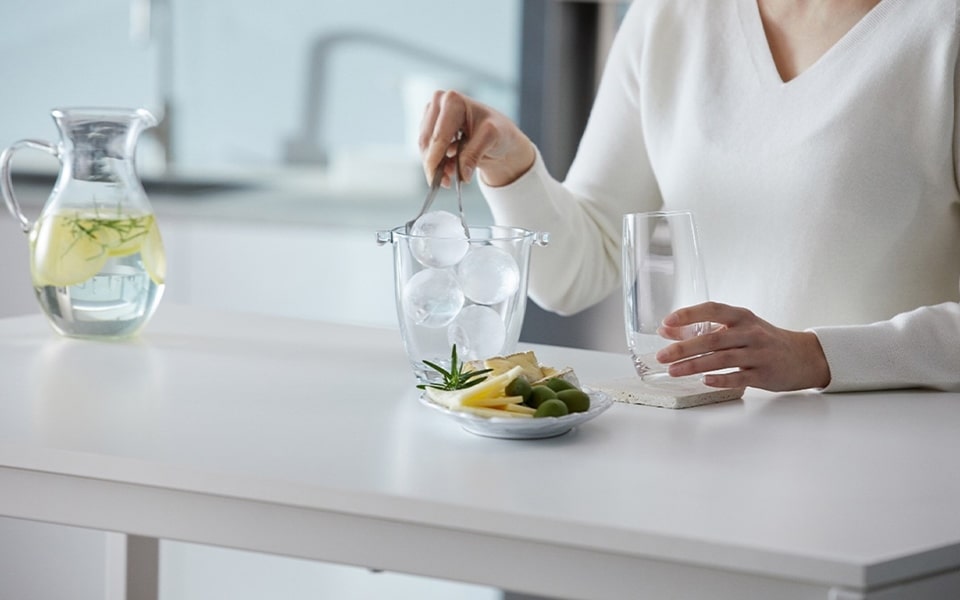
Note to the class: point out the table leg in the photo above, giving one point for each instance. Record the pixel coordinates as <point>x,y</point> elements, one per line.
<point>133,567</point>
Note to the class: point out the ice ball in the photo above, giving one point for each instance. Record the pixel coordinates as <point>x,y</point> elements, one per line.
<point>432,297</point>
<point>438,239</point>
<point>478,331</point>
<point>488,275</point>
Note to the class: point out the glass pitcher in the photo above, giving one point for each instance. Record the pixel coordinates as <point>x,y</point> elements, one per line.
<point>96,258</point>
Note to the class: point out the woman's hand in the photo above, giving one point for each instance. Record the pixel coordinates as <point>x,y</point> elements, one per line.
<point>764,356</point>
<point>491,141</point>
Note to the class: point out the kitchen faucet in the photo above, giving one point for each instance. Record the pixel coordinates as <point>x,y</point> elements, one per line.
<point>152,21</point>
<point>309,147</point>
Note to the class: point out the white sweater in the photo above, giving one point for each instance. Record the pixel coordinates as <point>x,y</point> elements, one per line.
<point>828,203</point>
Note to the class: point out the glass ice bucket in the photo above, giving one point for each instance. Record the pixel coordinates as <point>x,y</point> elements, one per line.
<point>469,292</point>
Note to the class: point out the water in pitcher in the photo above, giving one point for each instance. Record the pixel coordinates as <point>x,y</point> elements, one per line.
<point>97,273</point>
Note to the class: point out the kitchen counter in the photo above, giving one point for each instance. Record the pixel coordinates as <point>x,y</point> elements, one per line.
<point>306,439</point>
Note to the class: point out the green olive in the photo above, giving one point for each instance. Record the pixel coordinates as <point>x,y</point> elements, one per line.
<point>539,394</point>
<point>551,408</point>
<point>519,387</point>
<point>558,385</point>
<point>576,400</point>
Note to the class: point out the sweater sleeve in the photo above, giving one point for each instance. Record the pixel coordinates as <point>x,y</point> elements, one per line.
<point>920,348</point>
<point>610,176</point>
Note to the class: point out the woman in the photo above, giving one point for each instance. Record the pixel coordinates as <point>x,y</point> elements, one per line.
<point>816,143</point>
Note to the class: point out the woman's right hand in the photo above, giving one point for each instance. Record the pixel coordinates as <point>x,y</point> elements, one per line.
<point>491,142</point>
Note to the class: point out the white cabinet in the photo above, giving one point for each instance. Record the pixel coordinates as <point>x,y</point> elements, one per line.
<point>312,272</point>
<point>16,290</point>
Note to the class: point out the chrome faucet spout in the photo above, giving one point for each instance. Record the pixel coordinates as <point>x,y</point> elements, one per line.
<point>151,22</point>
<point>310,145</point>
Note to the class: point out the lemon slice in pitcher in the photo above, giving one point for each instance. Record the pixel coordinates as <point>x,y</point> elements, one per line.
<point>69,248</point>
<point>153,256</point>
<point>62,256</point>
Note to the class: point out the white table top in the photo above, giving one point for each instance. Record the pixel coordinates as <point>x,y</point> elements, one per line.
<point>227,429</point>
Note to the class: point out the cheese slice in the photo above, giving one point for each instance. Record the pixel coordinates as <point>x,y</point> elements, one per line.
<point>486,411</point>
<point>520,408</point>
<point>525,360</point>
<point>481,394</point>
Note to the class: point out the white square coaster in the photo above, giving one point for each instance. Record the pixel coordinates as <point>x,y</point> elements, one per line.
<point>672,394</point>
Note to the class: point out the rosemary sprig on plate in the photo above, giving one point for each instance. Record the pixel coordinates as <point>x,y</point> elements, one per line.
<point>456,378</point>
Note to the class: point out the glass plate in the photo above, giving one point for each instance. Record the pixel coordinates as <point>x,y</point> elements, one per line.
<point>524,429</point>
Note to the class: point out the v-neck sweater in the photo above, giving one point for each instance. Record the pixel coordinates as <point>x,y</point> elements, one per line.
<point>826,203</point>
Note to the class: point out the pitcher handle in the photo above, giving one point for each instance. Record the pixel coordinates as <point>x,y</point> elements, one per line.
<point>6,180</point>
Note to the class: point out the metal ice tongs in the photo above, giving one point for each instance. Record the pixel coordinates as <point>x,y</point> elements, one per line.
<point>435,189</point>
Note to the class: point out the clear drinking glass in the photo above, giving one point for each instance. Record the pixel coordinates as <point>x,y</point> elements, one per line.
<point>662,271</point>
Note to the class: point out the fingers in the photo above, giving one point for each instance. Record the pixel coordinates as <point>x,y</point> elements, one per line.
<point>712,361</point>
<point>721,369</point>
<point>492,143</point>
<point>715,312</point>
<point>684,332</point>
<point>444,116</point>
<point>483,137</point>
<point>704,346</point>
<point>692,350</point>
<point>428,121</point>
<point>736,379</point>
<point>745,349</point>
<point>730,368</point>
<point>699,338</point>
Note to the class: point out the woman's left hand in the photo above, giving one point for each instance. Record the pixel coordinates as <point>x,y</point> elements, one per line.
<point>762,355</point>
